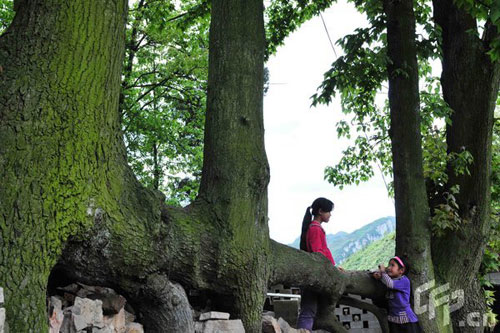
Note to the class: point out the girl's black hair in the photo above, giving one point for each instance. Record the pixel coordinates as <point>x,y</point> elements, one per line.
<point>321,203</point>
<point>405,262</point>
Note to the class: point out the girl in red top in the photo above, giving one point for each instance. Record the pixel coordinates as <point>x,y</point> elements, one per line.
<point>313,239</point>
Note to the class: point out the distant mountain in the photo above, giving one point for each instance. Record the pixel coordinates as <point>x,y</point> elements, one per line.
<point>380,251</point>
<point>329,238</point>
<point>343,244</point>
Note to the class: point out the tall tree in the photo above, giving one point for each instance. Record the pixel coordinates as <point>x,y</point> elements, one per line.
<point>60,144</point>
<point>412,211</point>
<point>473,101</point>
<point>442,193</point>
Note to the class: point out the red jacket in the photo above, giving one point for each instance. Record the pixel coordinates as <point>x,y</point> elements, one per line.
<point>316,241</point>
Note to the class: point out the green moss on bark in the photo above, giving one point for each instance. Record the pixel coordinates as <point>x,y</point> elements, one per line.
<point>56,94</point>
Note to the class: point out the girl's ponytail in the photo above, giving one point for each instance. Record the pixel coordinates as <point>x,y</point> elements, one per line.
<point>305,225</point>
<point>322,204</point>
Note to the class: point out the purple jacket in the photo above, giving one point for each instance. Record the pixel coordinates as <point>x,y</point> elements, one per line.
<point>400,311</point>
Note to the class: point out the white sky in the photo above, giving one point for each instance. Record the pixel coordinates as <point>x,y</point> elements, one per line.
<point>301,141</point>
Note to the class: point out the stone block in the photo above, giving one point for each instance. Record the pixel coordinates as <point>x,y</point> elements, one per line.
<point>286,328</point>
<point>129,317</point>
<point>57,316</point>
<point>117,321</point>
<point>68,326</point>
<point>213,315</point>
<point>134,328</point>
<point>111,303</point>
<point>223,326</point>
<point>2,320</point>
<point>87,312</point>
<point>198,326</point>
<point>270,325</point>
<point>1,296</point>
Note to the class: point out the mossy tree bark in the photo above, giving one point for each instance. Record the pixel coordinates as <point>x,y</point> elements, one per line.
<point>59,79</point>
<point>470,84</point>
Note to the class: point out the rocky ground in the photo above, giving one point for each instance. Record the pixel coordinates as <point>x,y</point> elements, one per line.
<point>79,308</point>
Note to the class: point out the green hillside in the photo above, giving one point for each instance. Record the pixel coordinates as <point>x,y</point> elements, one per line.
<point>379,251</point>
<point>343,248</point>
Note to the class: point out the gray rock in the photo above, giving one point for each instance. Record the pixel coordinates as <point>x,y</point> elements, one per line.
<point>57,315</point>
<point>111,303</point>
<point>105,329</point>
<point>68,326</point>
<point>2,320</point>
<point>129,317</point>
<point>286,328</point>
<point>1,296</point>
<point>213,315</point>
<point>270,325</point>
<point>223,326</point>
<point>87,312</point>
<point>134,328</point>
<point>198,327</point>
<point>116,322</point>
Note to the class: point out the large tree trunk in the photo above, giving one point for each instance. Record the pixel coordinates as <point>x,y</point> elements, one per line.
<point>64,182</point>
<point>470,86</point>
<point>413,236</point>
<point>59,79</point>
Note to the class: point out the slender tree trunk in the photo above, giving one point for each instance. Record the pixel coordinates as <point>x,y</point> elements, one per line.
<point>413,236</point>
<point>57,138</point>
<point>470,86</point>
<point>156,167</point>
<point>132,48</point>
<point>235,169</point>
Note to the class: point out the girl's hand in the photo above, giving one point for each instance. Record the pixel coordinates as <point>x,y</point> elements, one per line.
<point>381,267</point>
<point>341,269</point>
<point>377,275</point>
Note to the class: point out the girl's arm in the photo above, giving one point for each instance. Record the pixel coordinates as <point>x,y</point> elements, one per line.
<point>401,284</point>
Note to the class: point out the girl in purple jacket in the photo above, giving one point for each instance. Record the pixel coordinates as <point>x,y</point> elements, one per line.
<point>401,317</point>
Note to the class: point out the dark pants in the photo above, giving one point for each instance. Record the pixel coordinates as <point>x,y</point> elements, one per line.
<point>404,328</point>
<point>308,308</point>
